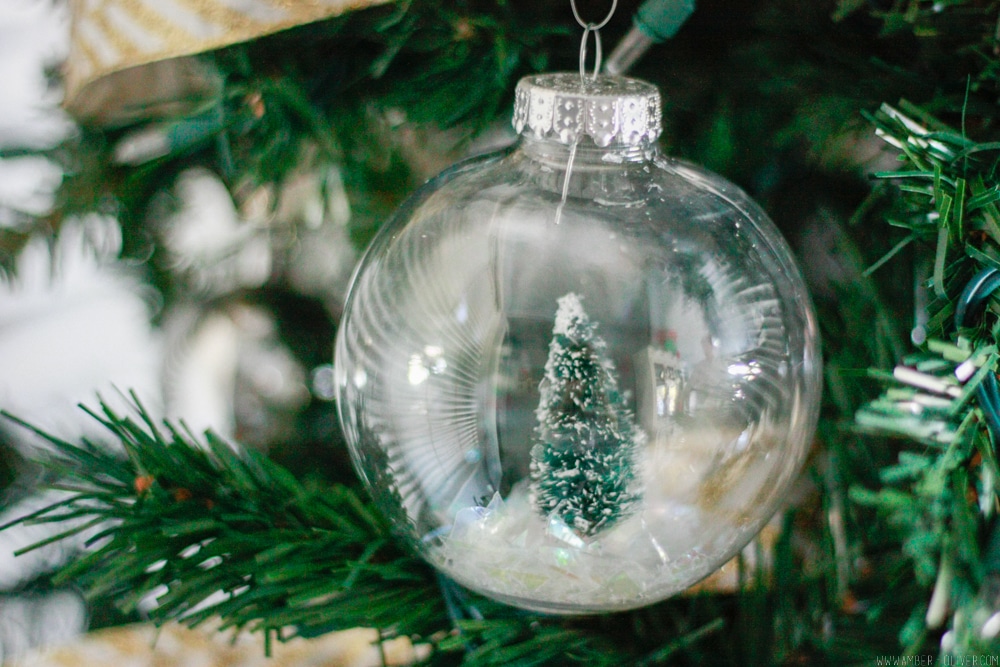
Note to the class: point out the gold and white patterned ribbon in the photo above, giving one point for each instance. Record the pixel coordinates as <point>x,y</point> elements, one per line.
<point>112,37</point>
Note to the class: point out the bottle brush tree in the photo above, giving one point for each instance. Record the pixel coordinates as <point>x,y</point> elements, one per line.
<point>583,459</point>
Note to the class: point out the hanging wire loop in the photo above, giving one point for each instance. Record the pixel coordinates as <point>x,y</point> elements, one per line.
<point>595,26</point>
<point>587,31</point>
<point>969,307</point>
<point>591,29</point>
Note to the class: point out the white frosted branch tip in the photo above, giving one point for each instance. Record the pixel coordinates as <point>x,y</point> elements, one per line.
<point>927,382</point>
<point>570,310</point>
<point>965,370</point>
<point>929,401</point>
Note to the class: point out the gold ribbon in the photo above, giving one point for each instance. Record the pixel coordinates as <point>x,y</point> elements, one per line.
<point>129,59</point>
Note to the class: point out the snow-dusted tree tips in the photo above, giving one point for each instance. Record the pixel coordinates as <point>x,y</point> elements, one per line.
<point>582,462</point>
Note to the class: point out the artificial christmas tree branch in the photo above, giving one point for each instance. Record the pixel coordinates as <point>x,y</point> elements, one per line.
<point>909,564</point>
<point>941,494</point>
<point>197,531</point>
<point>223,532</point>
<point>427,62</point>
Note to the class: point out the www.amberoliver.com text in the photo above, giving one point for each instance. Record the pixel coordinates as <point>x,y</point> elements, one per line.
<point>973,660</point>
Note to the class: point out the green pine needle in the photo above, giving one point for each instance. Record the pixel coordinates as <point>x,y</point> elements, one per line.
<point>212,530</point>
<point>215,532</point>
<point>930,401</point>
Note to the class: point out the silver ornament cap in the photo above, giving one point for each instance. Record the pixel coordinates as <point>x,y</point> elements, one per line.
<point>566,107</point>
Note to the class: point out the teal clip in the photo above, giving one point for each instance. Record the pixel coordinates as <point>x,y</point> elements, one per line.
<point>660,20</point>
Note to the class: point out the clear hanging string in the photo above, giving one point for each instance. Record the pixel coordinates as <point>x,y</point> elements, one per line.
<point>569,172</point>
<point>588,30</point>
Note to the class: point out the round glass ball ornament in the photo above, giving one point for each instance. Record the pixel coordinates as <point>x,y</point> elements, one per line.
<point>578,376</point>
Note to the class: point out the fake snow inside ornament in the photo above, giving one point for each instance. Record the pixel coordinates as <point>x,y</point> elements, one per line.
<point>578,376</point>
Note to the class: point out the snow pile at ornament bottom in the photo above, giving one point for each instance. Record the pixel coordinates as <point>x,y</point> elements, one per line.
<point>696,512</point>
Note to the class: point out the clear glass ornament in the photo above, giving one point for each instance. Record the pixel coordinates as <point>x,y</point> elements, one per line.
<point>578,375</point>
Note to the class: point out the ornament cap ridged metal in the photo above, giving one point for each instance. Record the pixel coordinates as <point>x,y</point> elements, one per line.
<point>567,107</point>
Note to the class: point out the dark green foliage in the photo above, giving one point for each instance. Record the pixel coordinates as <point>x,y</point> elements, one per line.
<point>442,64</point>
<point>771,94</point>
<point>938,496</point>
<point>236,535</point>
<point>216,532</point>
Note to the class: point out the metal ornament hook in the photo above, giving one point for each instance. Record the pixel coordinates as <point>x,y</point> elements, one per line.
<point>595,26</point>
<point>588,29</point>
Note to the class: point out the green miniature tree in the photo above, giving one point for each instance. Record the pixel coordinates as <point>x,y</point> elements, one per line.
<point>583,459</point>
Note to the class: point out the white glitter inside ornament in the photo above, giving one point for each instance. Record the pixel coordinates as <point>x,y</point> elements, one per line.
<point>578,389</point>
